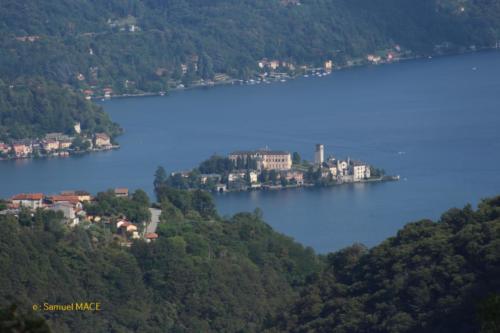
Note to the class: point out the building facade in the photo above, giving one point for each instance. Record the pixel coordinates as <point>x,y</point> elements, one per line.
<point>266,159</point>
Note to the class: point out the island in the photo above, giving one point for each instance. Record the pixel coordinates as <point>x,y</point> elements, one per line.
<point>266,169</point>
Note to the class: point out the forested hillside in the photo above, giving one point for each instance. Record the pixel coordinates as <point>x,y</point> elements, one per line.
<point>30,108</point>
<point>131,47</point>
<point>208,274</point>
<point>430,277</point>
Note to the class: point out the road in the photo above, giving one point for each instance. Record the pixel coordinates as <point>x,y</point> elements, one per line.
<point>155,218</point>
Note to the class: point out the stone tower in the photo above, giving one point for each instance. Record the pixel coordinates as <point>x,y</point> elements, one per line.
<point>319,155</point>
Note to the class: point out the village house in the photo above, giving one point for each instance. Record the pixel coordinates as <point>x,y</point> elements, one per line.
<point>65,144</point>
<point>82,196</point>
<point>375,59</point>
<point>328,65</point>
<point>236,176</point>
<point>215,177</point>
<point>50,145</point>
<point>107,92</point>
<point>121,192</point>
<point>68,210</point>
<point>254,176</point>
<point>102,140</point>
<point>22,149</point>
<point>88,94</point>
<point>72,199</point>
<point>151,236</point>
<point>4,148</point>
<point>29,200</point>
<point>295,175</point>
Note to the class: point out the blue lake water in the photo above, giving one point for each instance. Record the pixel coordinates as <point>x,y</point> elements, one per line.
<point>434,122</point>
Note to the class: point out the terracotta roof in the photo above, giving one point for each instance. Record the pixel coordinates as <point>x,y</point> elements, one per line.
<point>121,190</point>
<point>28,196</point>
<point>68,198</point>
<point>151,235</point>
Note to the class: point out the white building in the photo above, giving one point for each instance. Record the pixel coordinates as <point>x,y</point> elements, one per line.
<point>235,176</point>
<point>30,200</point>
<point>359,171</point>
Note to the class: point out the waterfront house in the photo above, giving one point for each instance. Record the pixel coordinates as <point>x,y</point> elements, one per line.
<point>328,65</point>
<point>295,175</point>
<point>4,148</point>
<point>22,149</point>
<point>253,176</point>
<point>359,170</point>
<point>107,92</point>
<point>65,143</point>
<point>29,200</point>
<point>121,192</point>
<point>204,178</point>
<point>221,187</point>
<point>50,145</point>
<point>102,140</point>
<point>235,176</point>
<point>88,94</point>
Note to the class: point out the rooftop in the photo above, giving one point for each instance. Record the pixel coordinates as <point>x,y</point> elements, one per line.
<point>28,196</point>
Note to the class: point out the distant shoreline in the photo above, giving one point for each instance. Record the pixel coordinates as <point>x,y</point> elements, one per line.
<point>234,81</point>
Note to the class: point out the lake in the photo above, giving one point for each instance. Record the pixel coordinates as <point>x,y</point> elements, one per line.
<point>435,122</point>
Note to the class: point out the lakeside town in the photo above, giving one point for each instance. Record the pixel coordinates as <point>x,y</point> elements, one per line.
<point>56,145</point>
<point>266,169</point>
<point>80,208</point>
<point>267,71</point>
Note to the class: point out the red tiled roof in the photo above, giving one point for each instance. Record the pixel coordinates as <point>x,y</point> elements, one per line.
<point>68,198</point>
<point>151,235</point>
<point>28,196</point>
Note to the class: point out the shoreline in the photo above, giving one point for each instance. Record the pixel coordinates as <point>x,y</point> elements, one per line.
<point>275,188</point>
<point>61,154</point>
<point>234,81</point>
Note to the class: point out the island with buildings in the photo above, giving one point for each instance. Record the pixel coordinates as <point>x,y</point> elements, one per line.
<point>266,169</point>
<point>56,144</point>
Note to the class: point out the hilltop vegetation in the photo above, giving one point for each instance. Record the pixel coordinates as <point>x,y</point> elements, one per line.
<point>146,41</point>
<point>30,108</point>
<point>209,274</point>
<point>203,273</point>
<point>430,277</point>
